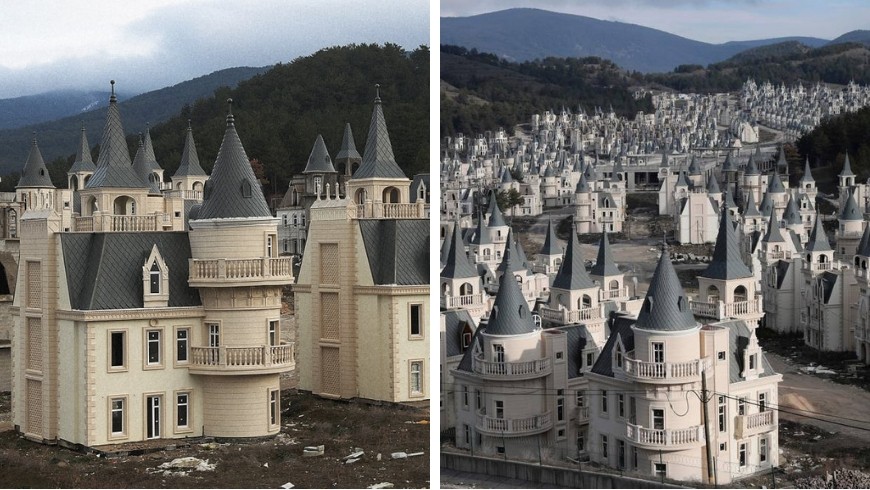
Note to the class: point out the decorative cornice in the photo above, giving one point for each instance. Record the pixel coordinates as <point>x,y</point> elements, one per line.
<point>393,290</point>
<point>131,314</point>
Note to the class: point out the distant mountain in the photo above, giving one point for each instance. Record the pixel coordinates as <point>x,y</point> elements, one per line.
<point>858,36</point>
<point>59,137</point>
<point>526,34</point>
<point>32,109</point>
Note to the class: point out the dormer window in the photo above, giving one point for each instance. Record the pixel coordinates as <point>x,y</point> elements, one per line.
<point>155,281</point>
<point>155,278</point>
<point>246,188</point>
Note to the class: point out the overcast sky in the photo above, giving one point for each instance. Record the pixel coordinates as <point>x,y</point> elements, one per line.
<point>703,20</point>
<point>144,45</point>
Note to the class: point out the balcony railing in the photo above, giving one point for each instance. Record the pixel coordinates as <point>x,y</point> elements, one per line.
<point>448,302</point>
<point>274,269</point>
<point>121,223</point>
<point>582,415</point>
<point>749,425</point>
<point>563,317</point>
<point>779,255</point>
<point>720,309</point>
<point>535,424</point>
<point>665,438</point>
<point>512,370</point>
<point>663,371</point>
<point>184,194</point>
<point>230,360</point>
<point>818,266</point>
<point>415,210</point>
<point>607,295</point>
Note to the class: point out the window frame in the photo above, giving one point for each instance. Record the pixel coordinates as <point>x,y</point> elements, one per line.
<point>178,429</point>
<point>111,433</point>
<point>186,341</point>
<point>273,396</point>
<point>420,378</point>
<point>420,319</point>
<point>124,354</point>
<point>146,354</point>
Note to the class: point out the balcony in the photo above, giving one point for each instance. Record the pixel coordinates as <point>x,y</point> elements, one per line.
<point>663,372</point>
<point>561,316</point>
<point>720,310</point>
<point>665,438</point>
<point>750,425</point>
<point>263,359</point>
<point>818,266</point>
<point>582,415</point>
<point>778,255</point>
<point>378,210</point>
<point>464,301</point>
<point>535,424</point>
<point>240,272</point>
<point>184,194</point>
<point>121,223</point>
<point>511,370</point>
<point>608,295</point>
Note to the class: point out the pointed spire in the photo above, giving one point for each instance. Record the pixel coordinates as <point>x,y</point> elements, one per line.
<point>752,167</point>
<point>495,216</point>
<point>582,185</point>
<point>713,186</point>
<point>551,245</point>
<point>665,306</point>
<point>233,190</point>
<point>481,236</point>
<point>378,160</point>
<point>766,206</point>
<point>792,215</point>
<point>318,160</point>
<point>143,169</point>
<point>510,314</point>
<point>775,184</point>
<point>34,174</point>
<point>604,265</point>
<point>847,168</point>
<point>457,264</point>
<point>84,161</point>
<point>189,165</point>
<point>773,234</point>
<point>572,273</point>
<point>347,151</point>
<point>808,174</point>
<point>727,262</point>
<point>818,241</point>
<point>513,260</point>
<point>851,212</point>
<point>864,245</point>
<point>114,168</point>
<point>150,158</point>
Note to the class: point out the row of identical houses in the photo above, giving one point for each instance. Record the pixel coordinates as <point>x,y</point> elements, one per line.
<point>149,310</point>
<point>580,368</point>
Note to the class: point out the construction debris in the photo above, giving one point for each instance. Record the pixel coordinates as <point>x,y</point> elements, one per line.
<point>385,484</point>
<point>311,451</point>
<point>399,455</point>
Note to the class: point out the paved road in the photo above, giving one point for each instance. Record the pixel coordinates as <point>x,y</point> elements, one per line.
<point>801,392</point>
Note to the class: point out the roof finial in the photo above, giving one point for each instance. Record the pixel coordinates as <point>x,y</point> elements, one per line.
<point>189,128</point>
<point>34,137</point>
<point>377,93</point>
<point>664,242</point>
<point>230,118</point>
<point>112,98</point>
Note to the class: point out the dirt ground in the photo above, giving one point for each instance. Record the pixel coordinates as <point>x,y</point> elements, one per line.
<point>306,421</point>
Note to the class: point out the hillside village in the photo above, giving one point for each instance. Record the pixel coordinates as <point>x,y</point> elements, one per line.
<point>569,356</point>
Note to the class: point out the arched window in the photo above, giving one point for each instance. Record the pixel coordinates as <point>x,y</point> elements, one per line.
<point>466,289</point>
<point>712,294</point>
<point>739,294</point>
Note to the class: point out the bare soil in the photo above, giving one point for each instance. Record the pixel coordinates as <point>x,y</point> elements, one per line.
<point>306,421</point>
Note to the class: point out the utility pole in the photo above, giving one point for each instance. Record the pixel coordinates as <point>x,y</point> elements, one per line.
<point>704,399</point>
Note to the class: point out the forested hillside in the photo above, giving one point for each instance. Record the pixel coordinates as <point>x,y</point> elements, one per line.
<point>279,114</point>
<point>831,140</point>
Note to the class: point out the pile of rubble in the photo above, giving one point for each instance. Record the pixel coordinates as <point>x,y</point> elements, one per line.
<point>839,479</point>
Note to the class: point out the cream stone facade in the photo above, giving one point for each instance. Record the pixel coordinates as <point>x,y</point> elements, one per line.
<point>145,313</point>
<point>362,296</point>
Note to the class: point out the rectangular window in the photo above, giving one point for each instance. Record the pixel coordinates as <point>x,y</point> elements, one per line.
<point>581,442</point>
<point>465,397</point>
<point>153,340</point>
<point>416,320</point>
<point>589,359</point>
<point>620,454</point>
<point>658,419</point>
<point>118,416</point>
<point>721,355</point>
<point>560,405</point>
<point>762,449</point>
<point>658,351</point>
<point>182,410</point>
<point>604,446</point>
<point>416,378</point>
<point>467,433</point>
<point>154,278</point>
<point>752,361</point>
<point>118,360</point>
<point>633,457</point>
<point>580,400</point>
<point>722,414</point>
<point>762,402</point>
<point>742,454</point>
<point>269,246</point>
<point>273,407</point>
<point>741,406</point>
<point>478,405</point>
<point>620,405</point>
<point>182,335</point>
<point>603,401</point>
<point>661,470</point>
<point>499,409</point>
<point>273,332</point>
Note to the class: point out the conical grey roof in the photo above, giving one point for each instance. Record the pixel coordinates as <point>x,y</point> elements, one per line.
<point>481,236</point>
<point>84,161</point>
<point>818,241</point>
<point>551,245</point>
<point>766,206</point>
<point>751,210</point>
<point>318,160</point>
<point>513,260</point>
<point>378,160</point>
<point>729,165</point>
<point>808,174</point>
<point>572,273</point>
<point>506,177</point>
<point>727,262</point>
<point>150,158</point>
<point>864,244</point>
<point>775,184</point>
<point>143,169</point>
<point>773,234</point>
<point>694,167</point>
<point>495,216</point>
<point>665,306</point>
<point>34,174</point>
<point>510,314</point>
<point>458,265</point>
<point>792,215</point>
<point>189,165</point>
<point>751,167</point>
<point>712,186</point>
<point>851,212</point>
<point>582,184</point>
<point>114,168</point>
<point>847,168</point>
<point>233,190</point>
<point>604,265</point>
<point>347,151</point>
<point>681,179</point>
<point>665,159</point>
<point>445,247</point>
